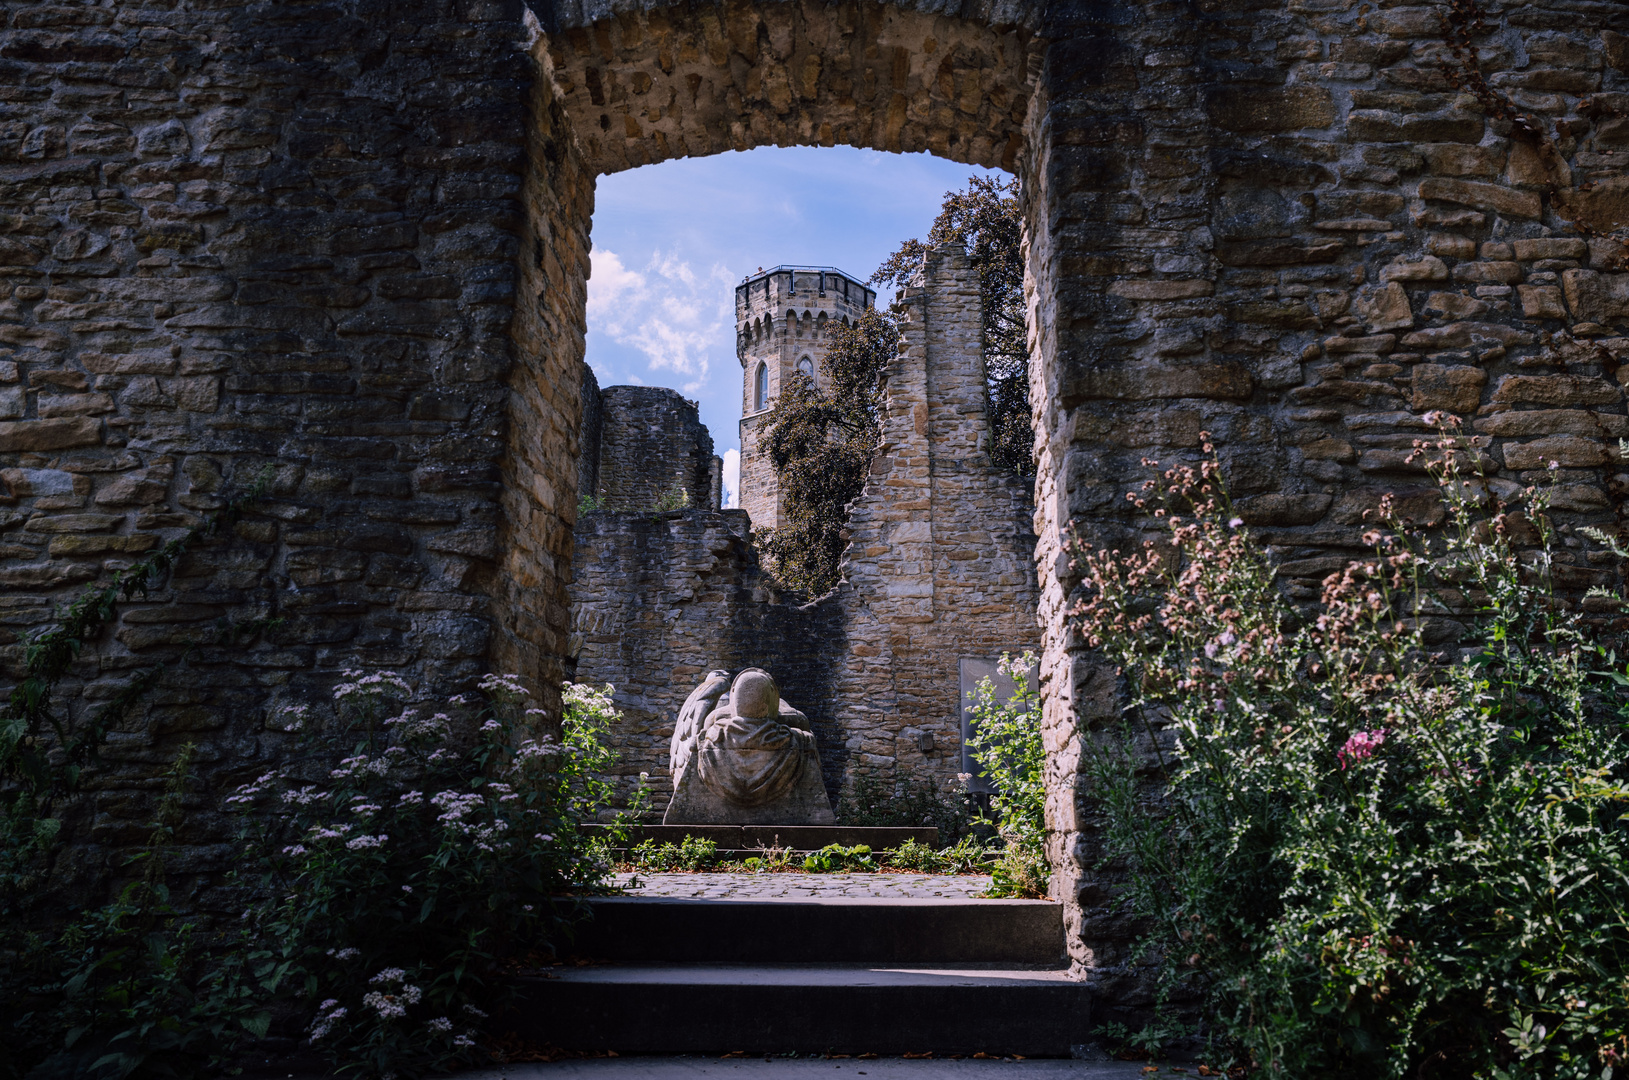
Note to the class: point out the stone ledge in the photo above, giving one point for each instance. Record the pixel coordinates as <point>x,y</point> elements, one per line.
<point>796,837</point>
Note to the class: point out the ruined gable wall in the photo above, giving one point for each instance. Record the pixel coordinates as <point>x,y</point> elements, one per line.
<point>652,445</point>
<point>939,563</point>
<point>660,599</point>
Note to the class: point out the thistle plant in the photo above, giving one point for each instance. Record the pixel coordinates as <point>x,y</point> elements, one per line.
<point>1386,834</point>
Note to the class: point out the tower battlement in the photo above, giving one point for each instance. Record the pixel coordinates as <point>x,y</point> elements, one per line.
<point>783,317</point>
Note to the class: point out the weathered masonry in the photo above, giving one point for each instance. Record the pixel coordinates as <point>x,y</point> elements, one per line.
<point>645,447</point>
<point>938,568</point>
<point>348,240</point>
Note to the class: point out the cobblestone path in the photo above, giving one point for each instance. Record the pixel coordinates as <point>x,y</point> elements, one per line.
<point>743,886</point>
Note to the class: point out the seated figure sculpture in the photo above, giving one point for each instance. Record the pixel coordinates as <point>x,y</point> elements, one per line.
<point>742,756</point>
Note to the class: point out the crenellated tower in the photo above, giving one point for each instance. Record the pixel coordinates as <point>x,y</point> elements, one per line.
<point>782,319</point>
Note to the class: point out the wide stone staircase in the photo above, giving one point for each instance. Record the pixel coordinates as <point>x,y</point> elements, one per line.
<point>847,975</point>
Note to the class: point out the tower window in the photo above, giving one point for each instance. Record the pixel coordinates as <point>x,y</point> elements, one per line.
<point>806,367</point>
<point>760,387</point>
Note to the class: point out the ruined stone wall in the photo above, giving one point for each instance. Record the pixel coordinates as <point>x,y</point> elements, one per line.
<point>588,465</point>
<point>938,568</point>
<point>660,599</point>
<point>1290,226</point>
<point>348,241</point>
<point>651,446</point>
<point>249,235</point>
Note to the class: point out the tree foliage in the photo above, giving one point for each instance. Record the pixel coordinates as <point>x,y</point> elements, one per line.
<point>986,219</point>
<point>820,443</point>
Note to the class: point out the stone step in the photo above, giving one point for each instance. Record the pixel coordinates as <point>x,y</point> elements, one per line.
<point>805,1008</point>
<point>823,931</point>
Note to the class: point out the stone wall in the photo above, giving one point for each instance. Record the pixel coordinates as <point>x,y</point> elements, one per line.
<point>349,241</point>
<point>240,236</point>
<point>1291,226</point>
<point>647,446</point>
<point>938,568</point>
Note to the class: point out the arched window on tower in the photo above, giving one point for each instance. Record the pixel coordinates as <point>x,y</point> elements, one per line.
<point>806,367</point>
<point>760,387</point>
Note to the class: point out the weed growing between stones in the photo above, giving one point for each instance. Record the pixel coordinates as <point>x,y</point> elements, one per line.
<point>1389,837</point>
<point>1006,742</point>
<point>693,854</point>
<point>837,859</point>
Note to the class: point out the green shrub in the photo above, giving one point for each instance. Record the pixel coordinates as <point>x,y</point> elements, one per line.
<point>837,859</point>
<point>692,853</point>
<point>408,875</point>
<point>133,988</point>
<point>1006,742</point>
<point>968,856</point>
<point>1377,850</point>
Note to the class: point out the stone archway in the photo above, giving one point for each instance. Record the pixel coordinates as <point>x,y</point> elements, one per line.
<point>642,86</point>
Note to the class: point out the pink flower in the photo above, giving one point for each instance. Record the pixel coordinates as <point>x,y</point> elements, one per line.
<point>1360,746</point>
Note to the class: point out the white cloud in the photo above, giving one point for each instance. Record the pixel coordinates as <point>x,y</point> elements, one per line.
<point>610,284</point>
<point>732,478</point>
<point>673,315</point>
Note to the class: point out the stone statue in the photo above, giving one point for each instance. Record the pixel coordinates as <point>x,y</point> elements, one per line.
<point>742,756</point>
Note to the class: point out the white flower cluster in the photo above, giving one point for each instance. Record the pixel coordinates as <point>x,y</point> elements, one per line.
<point>504,684</point>
<point>391,1006</point>
<point>246,793</point>
<point>323,832</point>
<point>411,725</point>
<point>454,805</point>
<point>360,842</point>
<point>376,684</point>
<point>361,764</point>
<point>329,1013</point>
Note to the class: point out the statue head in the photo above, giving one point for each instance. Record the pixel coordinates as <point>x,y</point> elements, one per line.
<point>754,695</point>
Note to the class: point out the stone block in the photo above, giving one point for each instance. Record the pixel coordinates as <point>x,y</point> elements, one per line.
<point>1493,198</point>
<point>1423,268</point>
<point>1458,389</point>
<point>1253,109</point>
<point>1617,49</point>
<point>1558,390</point>
<point>41,435</point>
<point>1385,308</point>
<point>1532,422</point>
<point>1284,509</point>
<point>1141,382</point>
<point>1541,302</point>
<point>1568,451</point>
<point>1596,297</point>
<point>1459,159</point>
<point>1488,273</point>
<point>1550,248</point>
<point>1175,289</point>
<point>1603,207</point>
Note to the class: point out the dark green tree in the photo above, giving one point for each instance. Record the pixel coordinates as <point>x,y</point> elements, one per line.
<point>820,443</point>
<point>986,219</point>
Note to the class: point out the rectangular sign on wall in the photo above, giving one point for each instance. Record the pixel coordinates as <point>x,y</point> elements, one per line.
<point>971,671</point>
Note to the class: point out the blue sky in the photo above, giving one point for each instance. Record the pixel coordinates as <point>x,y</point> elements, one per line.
<point>672,240</point>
